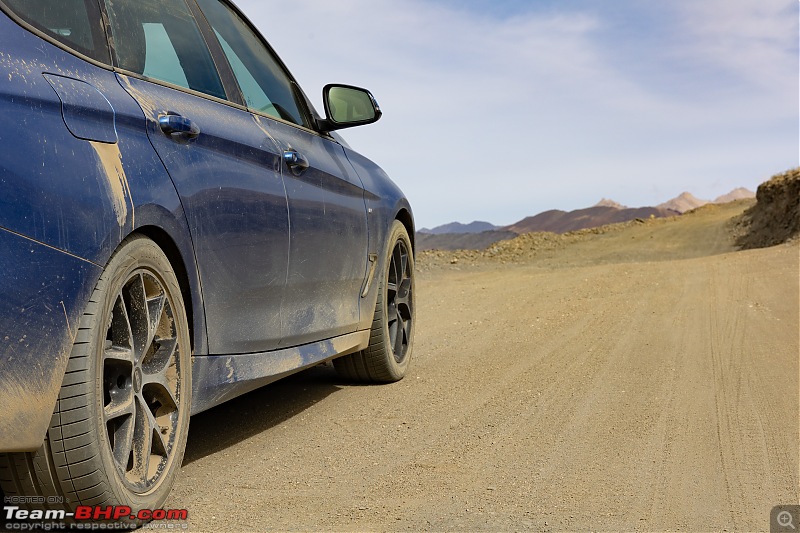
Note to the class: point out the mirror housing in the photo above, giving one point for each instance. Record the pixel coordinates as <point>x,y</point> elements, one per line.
<point>347,106</point>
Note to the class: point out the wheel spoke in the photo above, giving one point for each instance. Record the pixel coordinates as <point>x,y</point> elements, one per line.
<point>407,325</point>
<point>162,357</point>
<point>122,404</point>
<point>403,266</point>
<point>160,447</point>
<point>391,313</point>
<point>142,442</point>
<point>403,299</point>
<point>398,339</point>
<point>117,354</point>
<point>136,305</point>
<point>397,262</point>
<point>119,330</point>
<point>155,310</point>
<point>404,309</point>
<point>405,287</point>
<point>391,289</point>
<point>123,440</point>
<point>165,383</point>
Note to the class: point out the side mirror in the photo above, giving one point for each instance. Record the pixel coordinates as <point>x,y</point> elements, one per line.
<point>347,106</point>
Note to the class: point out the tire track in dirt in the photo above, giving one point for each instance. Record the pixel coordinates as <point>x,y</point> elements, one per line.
<point>627,394</point>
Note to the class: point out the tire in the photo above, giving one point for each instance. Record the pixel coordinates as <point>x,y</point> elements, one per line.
<point>118,432</point>
<point>391,339</point>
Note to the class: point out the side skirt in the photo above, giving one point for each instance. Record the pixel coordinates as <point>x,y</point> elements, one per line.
<point>219,378</point>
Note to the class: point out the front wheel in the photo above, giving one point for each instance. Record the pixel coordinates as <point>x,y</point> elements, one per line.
<point>391,341</point>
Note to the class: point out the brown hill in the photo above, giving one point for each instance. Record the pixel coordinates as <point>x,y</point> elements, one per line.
<point>476,226</point>
<point>556,221</point>
<point>683,203</point>
<point>736,194</point>
<point>460,241</point>
<point>776,216</point>
<point>606,202</point>
<point>702,232</point>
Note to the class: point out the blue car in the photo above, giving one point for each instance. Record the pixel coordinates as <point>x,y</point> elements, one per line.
<point>178,226</point>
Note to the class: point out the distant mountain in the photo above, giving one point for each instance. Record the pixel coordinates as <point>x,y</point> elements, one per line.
<point>686,201</point>
<point>683,203</point>
<point>736,194</point>
<point>477,226</point>
<point>461,241</point>
<point>605,202</point>
<point>478,235</point>
<point>557,221</point>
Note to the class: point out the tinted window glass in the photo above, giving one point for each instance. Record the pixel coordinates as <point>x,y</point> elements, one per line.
<point>164,65</point>
<point>76,23</point>
<point>160,39</point>
<point>265,85</point>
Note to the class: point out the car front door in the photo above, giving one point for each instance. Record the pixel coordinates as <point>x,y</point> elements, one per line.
<point>328,251</point>
<point>327,212</point>
<point>226,171</point>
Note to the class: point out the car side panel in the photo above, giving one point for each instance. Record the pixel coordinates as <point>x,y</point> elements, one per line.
<point>54,187</point>
<point>71,187</point>
<point>231,188</point>
<point>44,291</point>
<point>328,238</point>
<point>68,196</point>
<point>217,379</point>
<point>385,203</point>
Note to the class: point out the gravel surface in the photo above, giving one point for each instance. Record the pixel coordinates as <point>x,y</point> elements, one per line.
<point>640,379</point>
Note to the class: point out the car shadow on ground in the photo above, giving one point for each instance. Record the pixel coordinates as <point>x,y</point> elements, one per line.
<point>239,419</point>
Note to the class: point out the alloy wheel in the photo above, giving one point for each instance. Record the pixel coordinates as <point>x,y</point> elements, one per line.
<point>399,301</point>
<point>141,381</point>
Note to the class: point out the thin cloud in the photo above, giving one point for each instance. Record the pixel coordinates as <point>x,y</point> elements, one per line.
<point>752,40</point>
<point>498,118</point>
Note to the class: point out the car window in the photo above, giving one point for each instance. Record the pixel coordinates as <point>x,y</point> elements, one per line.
<point>164,65</point>
<point>160,39</point>
<point>265,85</point>
<point>75,23</point>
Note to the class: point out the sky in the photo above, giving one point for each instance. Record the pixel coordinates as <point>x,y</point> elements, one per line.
<point>499,109</point>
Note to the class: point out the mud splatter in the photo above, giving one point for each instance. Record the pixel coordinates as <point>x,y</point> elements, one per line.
<point>148,106</point>
<point>111,162</point>
<point>27,408</point>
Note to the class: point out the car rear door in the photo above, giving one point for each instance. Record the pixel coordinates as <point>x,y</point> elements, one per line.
<point>225,169</point>
<point>327,213</point>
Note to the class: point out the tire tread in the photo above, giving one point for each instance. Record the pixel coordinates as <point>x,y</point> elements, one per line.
<point>67,465</point>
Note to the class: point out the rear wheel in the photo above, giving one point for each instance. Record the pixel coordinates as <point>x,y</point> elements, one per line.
<point>387,357</point>
<point>118,432</point>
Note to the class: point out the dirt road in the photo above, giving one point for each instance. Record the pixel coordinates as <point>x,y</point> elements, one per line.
<point>629,381</point>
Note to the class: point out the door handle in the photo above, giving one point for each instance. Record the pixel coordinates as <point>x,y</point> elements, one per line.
<point>295,161</point>
<point>178,126</point>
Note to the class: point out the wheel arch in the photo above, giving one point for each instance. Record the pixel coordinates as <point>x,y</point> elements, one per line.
<point>171,249</point>
<point>405,218</point>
